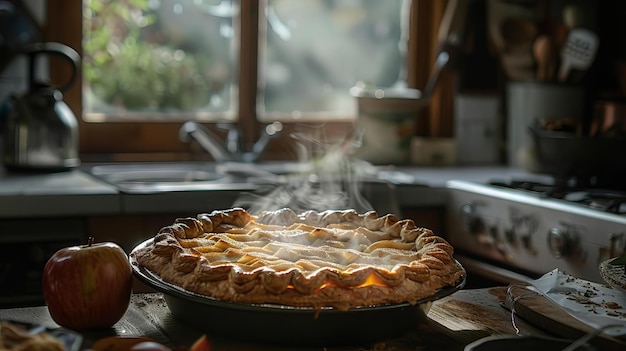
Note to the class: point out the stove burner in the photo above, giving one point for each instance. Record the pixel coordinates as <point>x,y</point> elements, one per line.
<point>537,188</point>
<point>604,200</point>
<point>611,201</point>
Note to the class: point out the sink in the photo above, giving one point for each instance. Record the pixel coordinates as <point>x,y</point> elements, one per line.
<point>146,177</point>
<point>252,178</point>
<point>157,175</point>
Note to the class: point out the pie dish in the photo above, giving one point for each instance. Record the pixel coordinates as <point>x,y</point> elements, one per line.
<point>338,259</point>
<point>297,326</point>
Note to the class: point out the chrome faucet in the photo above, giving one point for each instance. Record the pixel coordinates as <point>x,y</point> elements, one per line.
<point>232,149</point>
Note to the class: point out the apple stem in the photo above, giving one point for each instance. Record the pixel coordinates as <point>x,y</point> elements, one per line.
<point>90,241</point>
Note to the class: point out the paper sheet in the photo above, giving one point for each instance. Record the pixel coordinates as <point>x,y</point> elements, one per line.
<point>594,304</point>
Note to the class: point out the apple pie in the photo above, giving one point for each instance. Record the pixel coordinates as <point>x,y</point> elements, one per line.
<point>340,259</point>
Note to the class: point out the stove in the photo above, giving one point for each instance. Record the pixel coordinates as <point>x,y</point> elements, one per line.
<point>516,231</point>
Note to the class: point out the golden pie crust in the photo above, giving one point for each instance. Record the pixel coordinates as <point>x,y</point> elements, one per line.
<point>339,259</point>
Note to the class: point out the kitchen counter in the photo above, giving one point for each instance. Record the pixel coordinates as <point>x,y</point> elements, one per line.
<point>71,193</point>
<point>451,323</point>
<point>76,193</point>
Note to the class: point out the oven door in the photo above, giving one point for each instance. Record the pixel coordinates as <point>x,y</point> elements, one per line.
<point>25,247</point>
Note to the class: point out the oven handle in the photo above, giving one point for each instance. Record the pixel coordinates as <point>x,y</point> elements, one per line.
<point>489,271</point>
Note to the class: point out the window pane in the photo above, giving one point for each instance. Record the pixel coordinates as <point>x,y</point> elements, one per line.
<point>313,51</point>
<point>159,59</point>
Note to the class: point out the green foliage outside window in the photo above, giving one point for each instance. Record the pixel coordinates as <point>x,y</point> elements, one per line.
<point>129,65</point>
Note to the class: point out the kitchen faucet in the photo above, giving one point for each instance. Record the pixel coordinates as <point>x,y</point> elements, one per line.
<point>231,151</point>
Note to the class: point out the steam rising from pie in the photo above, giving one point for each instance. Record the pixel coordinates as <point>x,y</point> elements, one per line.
<point>341,259</point>
<point>332,183</point>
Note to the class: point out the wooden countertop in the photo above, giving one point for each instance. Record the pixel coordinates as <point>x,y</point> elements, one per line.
<point>451,323</point>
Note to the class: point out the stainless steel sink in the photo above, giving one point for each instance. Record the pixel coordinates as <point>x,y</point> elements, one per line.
<point>146,177</point>
<point>282,178</point>
<point>157,175</point>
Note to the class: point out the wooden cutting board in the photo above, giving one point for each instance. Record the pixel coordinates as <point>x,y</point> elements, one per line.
<point>469,315</point>
<point>546,315</point>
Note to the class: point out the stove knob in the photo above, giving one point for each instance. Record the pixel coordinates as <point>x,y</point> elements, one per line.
<point>472,221</point>
<point>560,242</point>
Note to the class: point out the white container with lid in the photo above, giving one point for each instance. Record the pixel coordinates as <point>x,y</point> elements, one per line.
<point>386,123</point>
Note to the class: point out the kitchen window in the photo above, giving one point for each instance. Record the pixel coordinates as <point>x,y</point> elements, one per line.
<point>285,60</point>
<point>167,60</point>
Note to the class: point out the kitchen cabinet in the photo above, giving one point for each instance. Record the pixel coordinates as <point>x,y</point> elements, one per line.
<point>128,231</point>
<point>25,246</point>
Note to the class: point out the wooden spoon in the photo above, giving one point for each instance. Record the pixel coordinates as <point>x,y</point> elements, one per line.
<point>544,53</point>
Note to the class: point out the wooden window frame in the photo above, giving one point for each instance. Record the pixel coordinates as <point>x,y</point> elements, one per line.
<point>158,141</point>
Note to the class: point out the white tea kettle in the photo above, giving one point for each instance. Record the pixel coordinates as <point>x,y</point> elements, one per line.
<point>41,131</point>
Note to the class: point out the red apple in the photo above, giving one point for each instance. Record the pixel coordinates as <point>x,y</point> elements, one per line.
<point>88,286</point>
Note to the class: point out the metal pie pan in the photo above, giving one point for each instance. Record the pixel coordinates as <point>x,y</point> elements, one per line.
<point>290,325</point>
